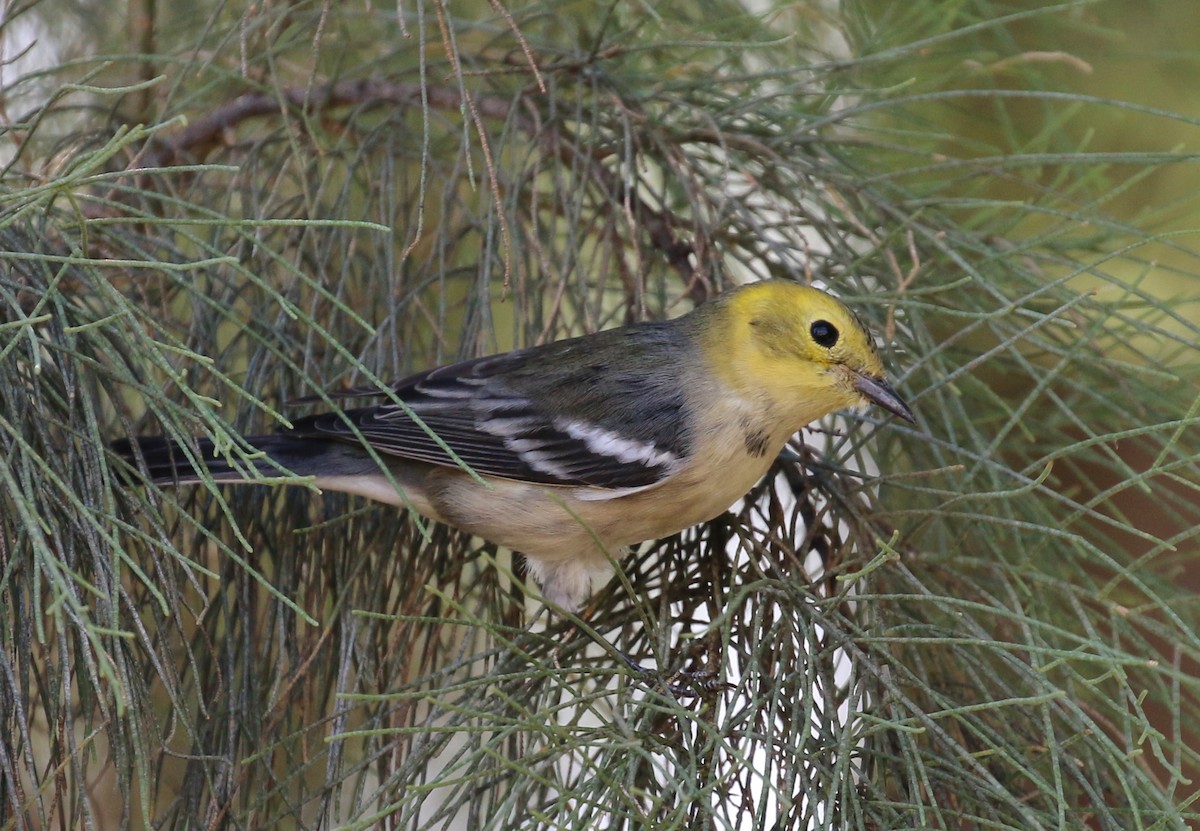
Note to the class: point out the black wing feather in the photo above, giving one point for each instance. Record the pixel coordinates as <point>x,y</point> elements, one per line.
<point>515,415</point>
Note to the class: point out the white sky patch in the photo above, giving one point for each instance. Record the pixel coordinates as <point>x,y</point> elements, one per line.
<point>28,48</point>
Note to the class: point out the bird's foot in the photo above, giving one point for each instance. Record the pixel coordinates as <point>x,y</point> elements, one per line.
<point>681,683</point>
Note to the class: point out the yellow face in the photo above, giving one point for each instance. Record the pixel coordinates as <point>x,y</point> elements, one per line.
<point>802,349</point>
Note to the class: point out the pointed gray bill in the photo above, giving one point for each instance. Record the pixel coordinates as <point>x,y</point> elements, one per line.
<point>881,392</point>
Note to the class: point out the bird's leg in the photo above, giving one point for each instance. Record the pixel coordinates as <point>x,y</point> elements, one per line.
<point>698,682</point>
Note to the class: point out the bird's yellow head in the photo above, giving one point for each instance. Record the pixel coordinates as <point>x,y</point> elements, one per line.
<point>798,347</point>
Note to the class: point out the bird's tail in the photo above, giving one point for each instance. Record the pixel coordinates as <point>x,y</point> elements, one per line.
<point>166,462</point>
<point>333,465</point>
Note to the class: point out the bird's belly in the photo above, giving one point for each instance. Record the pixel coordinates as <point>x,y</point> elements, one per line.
<point>685,500</point>
<point>550,521</point>
<point>569,534</point>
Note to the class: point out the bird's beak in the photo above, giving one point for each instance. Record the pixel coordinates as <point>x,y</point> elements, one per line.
<point>881,392</point>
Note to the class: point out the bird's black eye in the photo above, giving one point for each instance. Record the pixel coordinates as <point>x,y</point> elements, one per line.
<point>824,333</point>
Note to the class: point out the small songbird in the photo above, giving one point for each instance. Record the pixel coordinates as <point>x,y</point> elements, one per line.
<point>582,447</point>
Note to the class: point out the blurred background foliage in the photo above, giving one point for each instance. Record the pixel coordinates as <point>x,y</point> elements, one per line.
<point>989,621</point>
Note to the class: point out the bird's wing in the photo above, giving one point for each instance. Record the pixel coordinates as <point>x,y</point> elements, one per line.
<point>478,409</point>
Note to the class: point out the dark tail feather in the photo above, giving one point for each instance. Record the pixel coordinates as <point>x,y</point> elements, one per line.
<point>165,461</point>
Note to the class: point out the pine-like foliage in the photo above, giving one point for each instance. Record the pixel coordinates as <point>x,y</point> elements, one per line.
<point>982,622</point>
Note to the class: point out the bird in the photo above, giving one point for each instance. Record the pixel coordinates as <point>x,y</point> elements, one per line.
<point>572,451</point>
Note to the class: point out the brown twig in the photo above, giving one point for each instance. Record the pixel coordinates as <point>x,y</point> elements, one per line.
<point>201,137</point>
